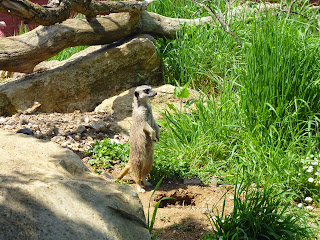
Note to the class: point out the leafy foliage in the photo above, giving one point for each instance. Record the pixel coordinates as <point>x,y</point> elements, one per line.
<point>105,154</point>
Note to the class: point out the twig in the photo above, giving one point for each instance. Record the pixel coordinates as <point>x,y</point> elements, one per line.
<point>289,11</point>
<point>224,25</point>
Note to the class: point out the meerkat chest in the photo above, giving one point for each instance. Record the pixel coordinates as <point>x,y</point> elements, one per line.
<point>143,114</point>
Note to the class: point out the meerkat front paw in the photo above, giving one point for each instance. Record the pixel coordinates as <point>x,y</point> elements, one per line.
<point>153,137</point>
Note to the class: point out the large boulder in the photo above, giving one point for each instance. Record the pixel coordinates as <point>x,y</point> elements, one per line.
<point>46,192</point>
<point>84,80</point>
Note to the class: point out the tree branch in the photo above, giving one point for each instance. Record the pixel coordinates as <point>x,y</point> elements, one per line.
<point>218,16</point>
<point>23,52</point>
<point>30,12</point>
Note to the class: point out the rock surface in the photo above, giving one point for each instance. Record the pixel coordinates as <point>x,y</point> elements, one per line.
<point>121,106</point>
<point>46,192</point>
<point>84,80</point>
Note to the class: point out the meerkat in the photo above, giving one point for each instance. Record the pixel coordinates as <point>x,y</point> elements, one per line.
<point>144,133</point>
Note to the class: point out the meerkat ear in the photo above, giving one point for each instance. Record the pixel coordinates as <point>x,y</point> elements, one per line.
<point>136,94</point>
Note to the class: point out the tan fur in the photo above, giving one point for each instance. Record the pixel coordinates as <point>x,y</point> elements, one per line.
<point>144,133</point>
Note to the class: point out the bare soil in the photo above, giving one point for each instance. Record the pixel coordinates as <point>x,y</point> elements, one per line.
<point>184,217</point>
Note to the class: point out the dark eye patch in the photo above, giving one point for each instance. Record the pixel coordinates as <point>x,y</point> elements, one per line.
<point>147,91</point>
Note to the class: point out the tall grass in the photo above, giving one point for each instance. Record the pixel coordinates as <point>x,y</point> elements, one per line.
<point>204,54</point>
<point>265,114</point>
<point>259,214</point>
<point>67,53</point>
<point>281,83</point>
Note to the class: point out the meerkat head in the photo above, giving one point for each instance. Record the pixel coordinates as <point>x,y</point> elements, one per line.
<point>144,92</point>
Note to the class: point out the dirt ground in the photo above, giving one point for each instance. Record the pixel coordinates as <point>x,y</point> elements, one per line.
<point>184,217</point>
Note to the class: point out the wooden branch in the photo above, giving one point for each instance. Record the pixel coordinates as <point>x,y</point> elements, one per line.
<point>22,53</point>
<point>30,12</point>
<point>218,16</point>
<point>160,26</point>
<point>289,11</point>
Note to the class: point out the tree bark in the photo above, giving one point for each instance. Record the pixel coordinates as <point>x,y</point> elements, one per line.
<point>22,53</point>
<point>58,11</point>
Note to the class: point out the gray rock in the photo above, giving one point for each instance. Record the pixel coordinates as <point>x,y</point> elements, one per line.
<point>86,79</point>
<point>46,192</point>
<point>26,131</point>
<point>100,126</point>
<point>192,181</point>
<point>81,129</point>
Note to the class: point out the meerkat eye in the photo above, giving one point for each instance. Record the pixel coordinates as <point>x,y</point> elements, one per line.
<point>147,91</point>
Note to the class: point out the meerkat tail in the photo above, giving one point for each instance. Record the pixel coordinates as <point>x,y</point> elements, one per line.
<point>123,172</point>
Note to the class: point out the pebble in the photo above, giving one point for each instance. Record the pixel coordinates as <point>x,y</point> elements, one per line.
<point>214,182</point>
<point>3,119</point>
<point>23,121</point>
<point>77,137</point>
<point>100,126</point>
<point>192,181</point>
<point>81,129</point>
<point>206,211</point>
<point>26,131</point>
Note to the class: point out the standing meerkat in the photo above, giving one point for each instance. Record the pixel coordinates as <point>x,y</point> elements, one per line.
<point>144,133</point>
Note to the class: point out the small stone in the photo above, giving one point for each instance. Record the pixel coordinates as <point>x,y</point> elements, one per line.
<point>206,211</point>
<point>77,137</point>
<point>10,122</point>
<point>90,139</point>
<point>70,139</point>
<point>99,136</point>
<point>23,121</point>
<point>114,141</point>
<point>26,131</point>
<point>100,126</point>
<point>192,181</point>
<point>214,182</point>
<point>3,119</point>
<point>81,129</point>
<point>56,139</point>
<point>59,132</point>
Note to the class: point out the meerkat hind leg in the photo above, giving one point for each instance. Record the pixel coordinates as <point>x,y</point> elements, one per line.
<point>146,183</point>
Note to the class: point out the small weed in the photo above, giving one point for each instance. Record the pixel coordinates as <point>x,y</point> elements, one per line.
<point>307,181</point>
<point>105,154</point>
<point>153,218</point>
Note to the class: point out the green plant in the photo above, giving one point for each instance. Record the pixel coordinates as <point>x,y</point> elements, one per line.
<point>181,92</point>
<point>259,213</point>
<point>307,181</point>
<point>105,154</point>
<point>153,219</point>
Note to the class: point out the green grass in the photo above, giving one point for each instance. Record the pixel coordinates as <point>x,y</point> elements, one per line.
<point>259,214</point>
<point>67,53</point>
